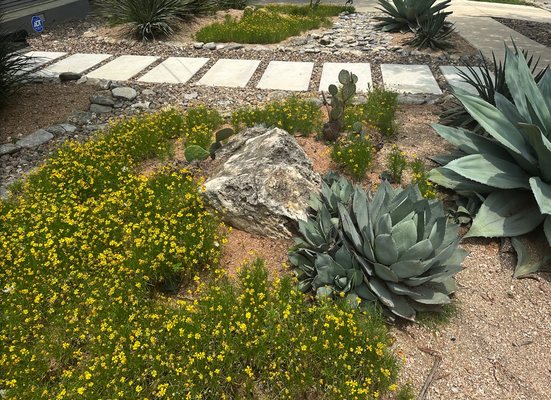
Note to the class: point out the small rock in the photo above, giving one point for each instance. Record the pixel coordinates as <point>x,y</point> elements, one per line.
<point>220,46</point>
<point>148,92</point>
<point>325,40</point>
<point>312,50</point>
<point>198,45</point>
<point>99,109</point>
<point>68,128</point>
<point>101,100</point>
<point>408,98</point>
<point>210,46</point>
<point>81,117</point>
<point>8,148</point>
<point>3,195</point>
<point>69,76</point>
<point>56,129</point>
<point>104,84</point>
<point>191,96</point>
<point>83,79</point>
<point>125,93</point>
<point>235,46</point>
<point>94,128</point>
<point>35,139</point>
<point>142,105</point>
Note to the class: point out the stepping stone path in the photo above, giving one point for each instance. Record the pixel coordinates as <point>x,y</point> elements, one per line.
<point>230,73</point>
<point>123,68</point>
<point>287,75</point>
<point>40,58</point>
<point>279,75</point>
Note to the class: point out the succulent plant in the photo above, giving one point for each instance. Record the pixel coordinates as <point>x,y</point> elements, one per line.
<point>394,248</point>
<point>340,98</point>
<point>406,14</point>
<point>511,167</point>
<point>433,32</point>
<point>198,153</point>
<point>487,81</point>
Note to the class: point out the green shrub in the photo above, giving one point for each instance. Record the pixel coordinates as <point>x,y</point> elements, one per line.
<point>354,154</point>
<point>406,14</point>
<point>396,164</point>
<point>419,176</point>
<point>232,4</point>
<point>150,19</point>
<point>265,25</point>
<point>200,122</point>
<point>296,116</point>
<point>511,167</point>
<point>377,113</point>
<point>321,10</point>
<point>393,248</point>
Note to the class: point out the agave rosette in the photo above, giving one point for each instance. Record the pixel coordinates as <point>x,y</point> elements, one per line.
<point>396,248</point>
<point>511,167</point>
<point>405,14</point>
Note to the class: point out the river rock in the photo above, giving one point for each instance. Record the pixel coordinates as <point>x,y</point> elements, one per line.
<point>35,139</point>
<point>264,184</point>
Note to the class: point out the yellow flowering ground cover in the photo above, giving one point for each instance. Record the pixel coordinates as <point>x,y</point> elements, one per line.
<point>88,247</point>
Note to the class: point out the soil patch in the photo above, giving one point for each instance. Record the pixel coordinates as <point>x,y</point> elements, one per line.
<point>38,106</point>
<point>537,31</point>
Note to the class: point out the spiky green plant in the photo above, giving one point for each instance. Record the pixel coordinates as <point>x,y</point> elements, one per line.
<point>150,19</point>
<point>340,98</point>
<point>197,153</point>
<point>487,81</point>
<point>394,248</point>
<point>511,167</point>
<point>432,32</point>
<point>405,14</point>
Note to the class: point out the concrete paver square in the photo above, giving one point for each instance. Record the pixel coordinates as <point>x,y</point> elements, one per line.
<point>287,75</point>
<point>174,70</point>
<point>230,73</point>
<point>39,58</point>
<point>451,74</point>
<point>77,63</point>
<point>330,75</point>
<point>409,78</point>
<point>123,68</point>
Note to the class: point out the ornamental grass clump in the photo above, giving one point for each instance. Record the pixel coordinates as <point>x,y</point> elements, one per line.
<point>354,154</point>
<point>394,249</point>
<point>511,166</point>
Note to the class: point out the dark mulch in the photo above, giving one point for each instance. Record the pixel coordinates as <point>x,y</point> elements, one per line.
<point>537,31</point>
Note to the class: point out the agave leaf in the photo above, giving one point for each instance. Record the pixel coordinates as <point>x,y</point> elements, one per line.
<point>457,257</point>
<point>506,213</point>
<point>381,291</point>
<point>324,292</point>
<point>405,235</point>
<point>542,146</point>
<point>531,258</point>
<point>442,274</point>
<point>364,264</point>
<point>547,228</point>
<point>310,233</point>
<point>508,109</point>
<point>360,208</point>
<point>401,289</point>
<point>369,241</point>
<point>409,268</point>
<point>349,228</point>
<point>363,291</point>
<point>315,202</point>
<point>343,257</point>
<point>383,225</point>
<point>298,260</point>
<point>443,159</point>
<point>449,179</point>
<point>402,308</point>
<point>436,235</point>
<point>305,286</point>
<point>498,126</point>
<point>428,295</point>
<point>469,142</point>
<point>385,249</point>
<point>490,170</point>
<point>545,87</point>
<point>542,193</point>
<point>419,251</point>
<point>385,273</point>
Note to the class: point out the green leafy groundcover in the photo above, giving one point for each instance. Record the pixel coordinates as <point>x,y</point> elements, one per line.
<point>86,244</point>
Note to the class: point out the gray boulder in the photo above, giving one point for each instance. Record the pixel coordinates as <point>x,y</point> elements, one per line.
<point>264,182</point>
<point>35,139</point>
<point>125,93</point>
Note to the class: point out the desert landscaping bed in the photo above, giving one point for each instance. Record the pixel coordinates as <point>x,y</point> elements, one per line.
<point>495,341</point>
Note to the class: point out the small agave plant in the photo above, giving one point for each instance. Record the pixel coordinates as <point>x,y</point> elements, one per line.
<point>511,167</point>
<point>395,248</point>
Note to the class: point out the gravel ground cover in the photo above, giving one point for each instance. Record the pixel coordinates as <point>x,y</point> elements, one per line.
<point>497,343</point>
<point>538,31</point>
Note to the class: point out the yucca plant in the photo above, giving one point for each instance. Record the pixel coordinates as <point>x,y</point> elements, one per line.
<point>405,14</point>
<point>511,167</point>
<point>150,19</point>
<point>12,68</point>
<point>395,248</point>
<point>487,81</point>
<point>433,32</point>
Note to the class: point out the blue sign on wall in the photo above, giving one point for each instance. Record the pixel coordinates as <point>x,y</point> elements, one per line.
<point>37,23</point>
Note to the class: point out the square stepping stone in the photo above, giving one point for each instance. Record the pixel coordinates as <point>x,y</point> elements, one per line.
<point>174,70</point>
<point>77,63</point>
<point>287,75</point>
<point>451,74</point>
<point>230,73</point>
<point>409,79</point>
<point>123,68</point>
<point>330,75</point>
<point>39,58</point>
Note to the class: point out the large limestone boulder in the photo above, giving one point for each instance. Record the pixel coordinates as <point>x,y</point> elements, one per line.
<point>264,182</point>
